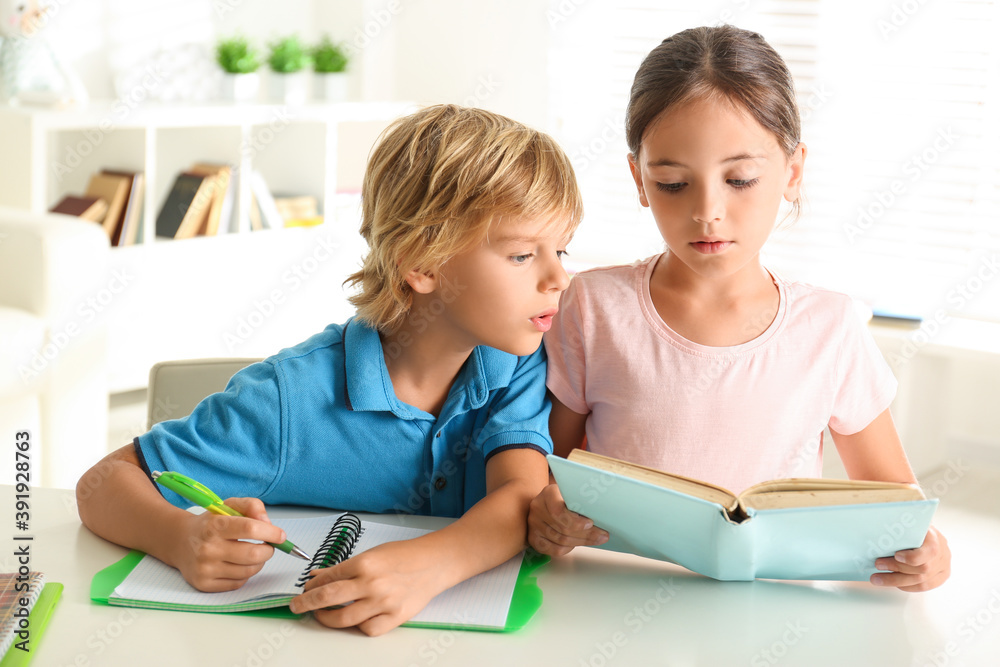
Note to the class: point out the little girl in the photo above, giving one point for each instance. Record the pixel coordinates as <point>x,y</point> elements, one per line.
<point>700,361</point>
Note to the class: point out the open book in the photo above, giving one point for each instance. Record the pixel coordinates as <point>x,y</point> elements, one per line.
<point>784,529</point>
<point>500,599</point>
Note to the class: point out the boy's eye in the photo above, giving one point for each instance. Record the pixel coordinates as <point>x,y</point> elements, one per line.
<point>742,183</point>
<point>521,259</point>
<point>670,187</point>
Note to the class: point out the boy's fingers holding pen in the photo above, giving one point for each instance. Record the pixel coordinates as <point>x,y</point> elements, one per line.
<point>250,507</point>
<point>246,528</point>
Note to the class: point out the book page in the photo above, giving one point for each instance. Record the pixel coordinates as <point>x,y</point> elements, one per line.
<point>692,487</point>
<point>809,492</point>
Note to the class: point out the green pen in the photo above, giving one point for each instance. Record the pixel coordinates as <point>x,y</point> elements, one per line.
<point>202,496</point>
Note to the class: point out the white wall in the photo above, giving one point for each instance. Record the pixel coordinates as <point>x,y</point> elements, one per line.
<point>491,53</point>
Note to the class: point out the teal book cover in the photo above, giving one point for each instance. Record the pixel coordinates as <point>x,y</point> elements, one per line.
<point>832,542</point>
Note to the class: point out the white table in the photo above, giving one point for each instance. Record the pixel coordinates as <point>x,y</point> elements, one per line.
<point>600,609</point>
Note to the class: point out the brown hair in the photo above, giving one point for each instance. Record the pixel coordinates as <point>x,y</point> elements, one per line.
<point>737,64</point>
<point>436,182</point>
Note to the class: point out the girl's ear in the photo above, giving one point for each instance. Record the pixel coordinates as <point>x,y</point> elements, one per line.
<point>422,282</point>
<point>796,165</point>
<point>637,177</point>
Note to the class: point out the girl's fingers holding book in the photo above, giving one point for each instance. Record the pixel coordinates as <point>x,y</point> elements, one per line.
<point>920,569</point>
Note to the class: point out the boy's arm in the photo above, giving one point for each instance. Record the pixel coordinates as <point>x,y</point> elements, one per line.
<point>392,582</point>
<point>119,502</point>
<point>875,452</point>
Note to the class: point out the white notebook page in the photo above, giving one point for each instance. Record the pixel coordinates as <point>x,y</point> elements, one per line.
<point>482,601</point>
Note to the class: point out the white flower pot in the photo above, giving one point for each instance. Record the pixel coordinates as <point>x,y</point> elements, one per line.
<point>330,86</point>
<point>292,88</point>
<point>240,87</point>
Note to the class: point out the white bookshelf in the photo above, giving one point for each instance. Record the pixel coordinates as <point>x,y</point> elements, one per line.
<point>187,298</point>
<point>298,149</point>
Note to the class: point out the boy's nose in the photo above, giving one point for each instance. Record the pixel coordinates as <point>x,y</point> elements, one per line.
<point>556,278</point>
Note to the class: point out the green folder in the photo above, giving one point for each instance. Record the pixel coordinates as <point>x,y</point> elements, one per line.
<point>38,620</point>
<point>525,601</point>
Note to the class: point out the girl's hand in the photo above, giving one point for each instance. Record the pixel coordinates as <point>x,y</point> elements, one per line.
<point>554,530</point>
<point>209,554</point>
<point>381,588</point>
<point>920,569</point>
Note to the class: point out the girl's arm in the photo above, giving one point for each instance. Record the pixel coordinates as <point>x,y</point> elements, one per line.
<point>552,528</point>
<point>566,428</point>
<point>876,453</point>
<point>390,583</point>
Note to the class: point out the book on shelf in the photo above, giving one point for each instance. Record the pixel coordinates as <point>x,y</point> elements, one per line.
<point>185,212</point>
<point>221,176</point>
<point>88,208</point>
<point>114,189</point>
<point>26,604</point>
<point>270,217</point>
<point>796,528</point>
<point>256,222</point>
<point>227,216</point>
<point>126,230</point>
<point>298,210</point>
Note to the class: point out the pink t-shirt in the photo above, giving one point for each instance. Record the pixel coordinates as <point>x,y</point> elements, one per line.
<point>733,416</point>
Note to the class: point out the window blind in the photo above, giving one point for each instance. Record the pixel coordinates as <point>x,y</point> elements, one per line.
<point>899,102</point>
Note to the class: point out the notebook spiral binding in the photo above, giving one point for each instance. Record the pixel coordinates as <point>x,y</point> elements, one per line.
<point>337,547</point>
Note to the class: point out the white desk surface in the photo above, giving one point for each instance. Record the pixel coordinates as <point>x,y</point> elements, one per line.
<point>600,609</point>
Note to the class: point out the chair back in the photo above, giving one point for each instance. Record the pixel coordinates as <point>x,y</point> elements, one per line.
<point>176,387</point>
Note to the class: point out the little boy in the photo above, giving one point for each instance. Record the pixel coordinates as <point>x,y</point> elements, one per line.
<point>430,400</point>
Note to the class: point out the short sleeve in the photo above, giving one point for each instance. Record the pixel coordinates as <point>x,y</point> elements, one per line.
<point>231,442</point>
<point>518,414</point>
<point>564,344</point>
<point>866,385</point>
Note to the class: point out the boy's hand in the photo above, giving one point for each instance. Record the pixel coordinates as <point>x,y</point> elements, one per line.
<point>209,554</point>
<point>920,569</point>
<point>554,530</point>
<point>382,587</point>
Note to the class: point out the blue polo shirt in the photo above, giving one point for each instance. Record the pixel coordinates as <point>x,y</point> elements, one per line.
<point>319,424</point>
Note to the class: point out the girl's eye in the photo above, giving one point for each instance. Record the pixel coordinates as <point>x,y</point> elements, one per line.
<point>521,259</point>
<point>561,253</point>
<point>670,187</point>
<point>742,184</point>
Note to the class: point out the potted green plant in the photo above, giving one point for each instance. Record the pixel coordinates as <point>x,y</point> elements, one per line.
<point>239,61</point>
<point>329,63</point>
<point>288,59</point>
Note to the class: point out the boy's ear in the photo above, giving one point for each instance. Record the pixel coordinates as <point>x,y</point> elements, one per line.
<point>422,282</point>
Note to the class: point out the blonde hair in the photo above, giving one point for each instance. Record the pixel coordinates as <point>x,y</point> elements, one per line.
<point>435,183</point>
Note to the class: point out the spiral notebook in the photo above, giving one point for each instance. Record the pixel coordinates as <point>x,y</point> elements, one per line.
<point>20,634</point>
<point>500,599</point>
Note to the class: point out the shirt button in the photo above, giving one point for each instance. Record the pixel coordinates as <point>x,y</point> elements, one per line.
<point>440,483</point>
